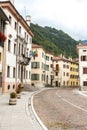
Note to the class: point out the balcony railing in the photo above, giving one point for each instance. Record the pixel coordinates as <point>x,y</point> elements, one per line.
<point>23,59</point>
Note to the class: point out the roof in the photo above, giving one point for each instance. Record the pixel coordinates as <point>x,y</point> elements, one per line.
<point>59,58</point>
<point>36,46</point>
<point>12,9</point>
<point>3,15</point>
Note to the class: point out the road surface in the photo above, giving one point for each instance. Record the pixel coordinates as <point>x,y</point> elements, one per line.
<point>62,109</point>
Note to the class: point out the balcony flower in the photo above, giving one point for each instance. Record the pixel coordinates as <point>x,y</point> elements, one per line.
<point>2,37</point>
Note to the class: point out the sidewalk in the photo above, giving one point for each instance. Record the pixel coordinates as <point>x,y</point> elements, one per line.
<point>83,93</point>
<point>19,116</point>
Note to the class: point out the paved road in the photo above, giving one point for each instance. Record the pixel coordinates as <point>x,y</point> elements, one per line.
<point>62,109</point>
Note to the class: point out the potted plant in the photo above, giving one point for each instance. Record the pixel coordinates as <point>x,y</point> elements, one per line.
<point>13,98</point>
<point>18,91</point>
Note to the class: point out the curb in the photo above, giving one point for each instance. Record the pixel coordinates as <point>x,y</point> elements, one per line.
<point>82,93</point>
<point>35,114</point>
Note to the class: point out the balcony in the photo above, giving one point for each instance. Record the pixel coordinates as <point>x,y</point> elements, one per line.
<point>23,60</point>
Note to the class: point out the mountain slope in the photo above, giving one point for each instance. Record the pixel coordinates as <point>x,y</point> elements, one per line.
<point>54,41</point>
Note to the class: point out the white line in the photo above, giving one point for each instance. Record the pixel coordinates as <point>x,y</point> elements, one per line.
<point>71,103</point>
<point>38,119</point>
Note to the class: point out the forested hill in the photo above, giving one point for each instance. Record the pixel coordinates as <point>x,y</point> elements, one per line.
<point>54,41</point>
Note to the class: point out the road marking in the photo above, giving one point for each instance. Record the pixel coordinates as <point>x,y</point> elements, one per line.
<point>65,100</point>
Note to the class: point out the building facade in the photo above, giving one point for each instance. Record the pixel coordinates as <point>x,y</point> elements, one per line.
<point>74,73</point>
<point>82,52</point>
<point>61,71</point>
<point>17,65</point>
<point>65,72</point>
<point>41,70</point>
<point>3,19</point>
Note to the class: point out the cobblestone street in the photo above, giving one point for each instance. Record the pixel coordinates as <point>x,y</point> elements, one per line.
<point>61,109</point>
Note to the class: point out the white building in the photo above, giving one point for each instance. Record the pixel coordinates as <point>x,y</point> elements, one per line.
<point>17,47</point>
<point>82,51</point>
<point>3,19</point>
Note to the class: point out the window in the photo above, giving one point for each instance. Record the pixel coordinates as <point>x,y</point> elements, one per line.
<point>35,77</point>
<point>10,19</point>
<point>84,70</point>
<point>14,48</point>
<point>84,50</point>
<point>27,37</point>
<point>19,49</point>
<point>67,74</point>
<point>63,73</point>
<point>8,71</point>
<point>14,72</point>
<point>84,83</point>
<point>57,67</point>
<point>47,67</point>
<point>13,86</point>
<point>9,45</point>
<point>19,71</point>
<point>71,69</point>
<point>83,58</point>
<point>51,65</point>
<point>47,58</point>
<point>51,58</point>
<point>20,29</point>
<point>8,87</point>
<point>15,26</point>
<point>35,65</point>
<point>29,74</point>
<point>63,82</point>
<point>22,49</point>
<point>64,66</point>
<point>67,66</point>
<point>56,73</point>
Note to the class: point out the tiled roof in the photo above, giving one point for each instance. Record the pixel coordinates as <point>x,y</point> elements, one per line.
<point>36,46</point>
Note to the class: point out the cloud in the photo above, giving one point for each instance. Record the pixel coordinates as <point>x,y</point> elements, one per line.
<point>68,15</point>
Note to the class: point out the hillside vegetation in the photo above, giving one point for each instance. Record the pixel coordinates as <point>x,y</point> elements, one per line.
<point>54,41</point>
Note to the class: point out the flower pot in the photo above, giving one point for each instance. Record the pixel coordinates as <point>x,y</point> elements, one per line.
<point>13,98</point>
<point>12,101</point>
<point>18,95</point>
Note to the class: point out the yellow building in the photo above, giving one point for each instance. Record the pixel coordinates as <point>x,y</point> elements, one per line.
<point>65,72</point>
<point>73,80</point>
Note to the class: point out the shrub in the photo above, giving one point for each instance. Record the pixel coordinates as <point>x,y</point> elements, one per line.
<point>13,95</point>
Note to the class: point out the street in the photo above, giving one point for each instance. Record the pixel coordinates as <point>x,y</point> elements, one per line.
<point>62,108</point>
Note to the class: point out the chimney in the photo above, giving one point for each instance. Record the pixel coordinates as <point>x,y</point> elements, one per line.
<point>28,20</point>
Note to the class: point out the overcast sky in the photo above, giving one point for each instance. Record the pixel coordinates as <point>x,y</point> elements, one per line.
<point>67,15</point>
